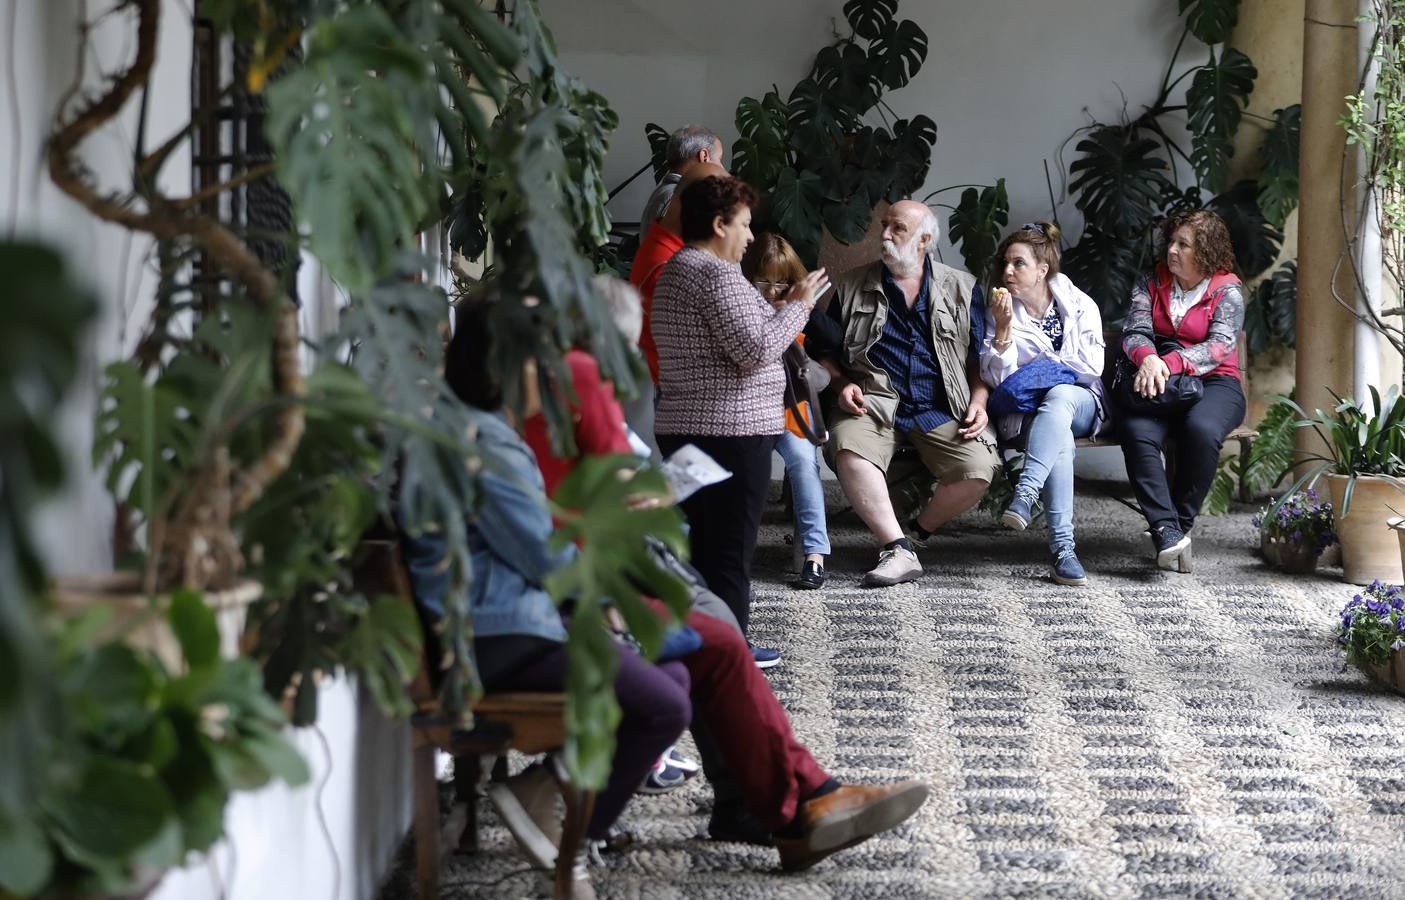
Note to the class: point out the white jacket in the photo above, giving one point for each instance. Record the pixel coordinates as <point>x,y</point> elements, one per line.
<point>1084,349</point>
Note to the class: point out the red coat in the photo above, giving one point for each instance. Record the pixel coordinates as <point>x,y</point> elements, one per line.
<point>1195,325</point>
<point>657,247</point>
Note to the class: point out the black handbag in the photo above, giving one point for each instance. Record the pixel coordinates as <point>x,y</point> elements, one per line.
<point>804,379</point>
<point>1182,390</point>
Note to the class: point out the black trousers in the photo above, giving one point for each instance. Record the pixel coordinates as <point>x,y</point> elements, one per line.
<point>1198,433</point>
<point>724,518</point>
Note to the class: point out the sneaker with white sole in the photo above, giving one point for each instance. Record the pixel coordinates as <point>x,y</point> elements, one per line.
<point>765,657</point>
<point>678,759</point>
<point>895,565</point>
<point>665,777</point>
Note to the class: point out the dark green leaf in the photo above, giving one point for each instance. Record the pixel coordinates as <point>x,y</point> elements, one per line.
<point>1256,242</point>
<point>113,692</point>
<point>796,208</point>
<point>848,220</point>
<point>870,18</point>
<point>976,224</point>
<point>910,156</point>
<point>818,118</point>
<point>1274,310</point>
<point>846,74</point>
<point>1215,101</point>
<point>1212,21</point>
<point>26,858</point>
<point>1278,180</point>
<point>1107,267</point>
<point>113,810</point>
<point>194,625</point>
<point>1119,179</point>
<point>658,149</point>
<point>899,52</point>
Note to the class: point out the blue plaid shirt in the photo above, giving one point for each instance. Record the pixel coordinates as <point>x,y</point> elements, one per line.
<point>905,352</point>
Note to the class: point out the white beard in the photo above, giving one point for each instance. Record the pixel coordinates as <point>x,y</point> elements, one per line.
<point>902,260</point>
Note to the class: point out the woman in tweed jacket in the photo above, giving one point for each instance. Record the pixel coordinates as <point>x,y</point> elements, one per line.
<point>721,382</point>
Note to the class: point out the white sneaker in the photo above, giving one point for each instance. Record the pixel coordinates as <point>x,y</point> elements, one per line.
<point>895,566</point>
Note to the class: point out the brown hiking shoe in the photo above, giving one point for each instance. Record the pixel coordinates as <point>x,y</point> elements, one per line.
<point>849,815</point>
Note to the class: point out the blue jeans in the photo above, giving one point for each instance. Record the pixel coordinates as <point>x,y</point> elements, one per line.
<point>802,467</point>
<point>1065,413</point>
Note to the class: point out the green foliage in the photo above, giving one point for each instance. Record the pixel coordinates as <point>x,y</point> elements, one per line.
<point>1278,180</point>
<point>1212,21</point>
<point>303,533</point>
<point>977,222</point>
<point>1375,121</point>
<point>140,772</point>
<point>601,511</point>
<point>1273,314</point>
<point>1125,182</point>
<point>41,322</point>
<point>658,149</point>
<point>1215,101</point>
<point>815,162</point>
<point>1263,468</point>
<point>1360,440</point>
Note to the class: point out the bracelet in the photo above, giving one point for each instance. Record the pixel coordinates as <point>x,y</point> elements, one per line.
<point>996,342</point>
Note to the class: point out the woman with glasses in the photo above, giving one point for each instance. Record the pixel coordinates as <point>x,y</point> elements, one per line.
<point>1037,316</point>
<point>773,267</point>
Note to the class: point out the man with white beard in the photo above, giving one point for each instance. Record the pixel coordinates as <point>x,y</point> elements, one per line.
<point>905,361</point>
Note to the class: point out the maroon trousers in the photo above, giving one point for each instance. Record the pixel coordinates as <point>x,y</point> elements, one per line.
<point>748,724</point>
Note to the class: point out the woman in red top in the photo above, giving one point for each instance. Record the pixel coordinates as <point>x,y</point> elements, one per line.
<point>1185,320</point>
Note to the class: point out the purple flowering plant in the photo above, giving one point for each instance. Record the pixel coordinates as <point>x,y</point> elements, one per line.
<point>1372,626</point>
<point>1300,519</point>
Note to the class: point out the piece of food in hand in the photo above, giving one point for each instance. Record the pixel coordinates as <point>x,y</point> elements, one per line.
<point>999,293</point>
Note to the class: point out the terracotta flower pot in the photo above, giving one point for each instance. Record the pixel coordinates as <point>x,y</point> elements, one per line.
<point>143,622</point>
<point>1268,549</point>
<point>1295,557</point>
<point>1370,549</point>
<point>1391,673</point>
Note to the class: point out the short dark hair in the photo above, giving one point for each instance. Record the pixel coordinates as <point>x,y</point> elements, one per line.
<point>1212,250</point>
<point>710,197</point>
<point>687,142</point>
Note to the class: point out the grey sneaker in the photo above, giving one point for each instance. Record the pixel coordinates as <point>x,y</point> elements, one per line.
<point>527,804</point>
<point>895,565</point>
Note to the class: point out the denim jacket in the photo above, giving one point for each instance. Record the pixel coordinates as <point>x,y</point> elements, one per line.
<point>507,536</point>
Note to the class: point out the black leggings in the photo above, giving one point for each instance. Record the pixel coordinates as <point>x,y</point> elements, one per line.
<point>1198,433</point>
<point>723,519</point>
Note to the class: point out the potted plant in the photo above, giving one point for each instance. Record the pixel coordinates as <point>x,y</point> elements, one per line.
<point>1363,463</point>
<point>1294,533</point>
<point>1372,633</point>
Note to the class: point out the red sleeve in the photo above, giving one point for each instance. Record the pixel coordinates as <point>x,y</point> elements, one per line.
<point>599,419</point>
<point>1174,362</point>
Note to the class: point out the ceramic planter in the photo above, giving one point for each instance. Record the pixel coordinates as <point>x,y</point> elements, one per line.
<point>143,621</point>
<point>1390,674</point>
<point>1370,548</point>
<point>1293,557</point>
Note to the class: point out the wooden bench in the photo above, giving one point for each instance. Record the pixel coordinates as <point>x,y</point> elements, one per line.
<point>530,723</point>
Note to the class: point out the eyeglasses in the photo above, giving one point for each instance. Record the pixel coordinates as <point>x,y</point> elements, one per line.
<point>771,287</point>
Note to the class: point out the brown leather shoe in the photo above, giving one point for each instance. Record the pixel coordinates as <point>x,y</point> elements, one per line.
<point>849,815</point>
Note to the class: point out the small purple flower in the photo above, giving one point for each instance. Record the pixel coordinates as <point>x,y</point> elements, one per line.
<point>1397,645</point>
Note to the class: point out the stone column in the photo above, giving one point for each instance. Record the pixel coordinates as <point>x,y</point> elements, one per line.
<point>1326,345</point>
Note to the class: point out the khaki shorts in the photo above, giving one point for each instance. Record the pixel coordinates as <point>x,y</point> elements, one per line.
<point>943,451</point>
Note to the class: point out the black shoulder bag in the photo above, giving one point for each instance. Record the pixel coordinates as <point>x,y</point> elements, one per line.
<point>1182,391</point>
<point>804,379</point>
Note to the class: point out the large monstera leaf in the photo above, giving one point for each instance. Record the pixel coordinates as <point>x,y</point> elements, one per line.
<point>900,52</point>
<point>818,121</point>
<point>976,224</point>
<point>1278,180</point>
<point>1212,21</point>
<point>1256,242</point>
<point>870,18</point>
<point>911,151</point>
<point>1107,267</point>
<point>1119,180</point>
<point>848,77</point>
<point>658,149</point>
<point>760,153</point>
<point>1215,102</point>
<point>796,204</point>
<point>1273,314</point>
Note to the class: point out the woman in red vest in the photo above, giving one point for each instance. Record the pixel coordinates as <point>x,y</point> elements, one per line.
<point>1184,321</point>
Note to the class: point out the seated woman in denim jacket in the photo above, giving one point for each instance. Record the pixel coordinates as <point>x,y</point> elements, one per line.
<point>519,641</point>
<point>1039,314</point>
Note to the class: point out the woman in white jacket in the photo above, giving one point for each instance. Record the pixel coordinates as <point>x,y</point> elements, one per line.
<point>1037,313</point>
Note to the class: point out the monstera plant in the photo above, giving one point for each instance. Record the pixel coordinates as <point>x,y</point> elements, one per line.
<point>823,155</point>
<point>1126,177</point>
<point>232,458</point>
